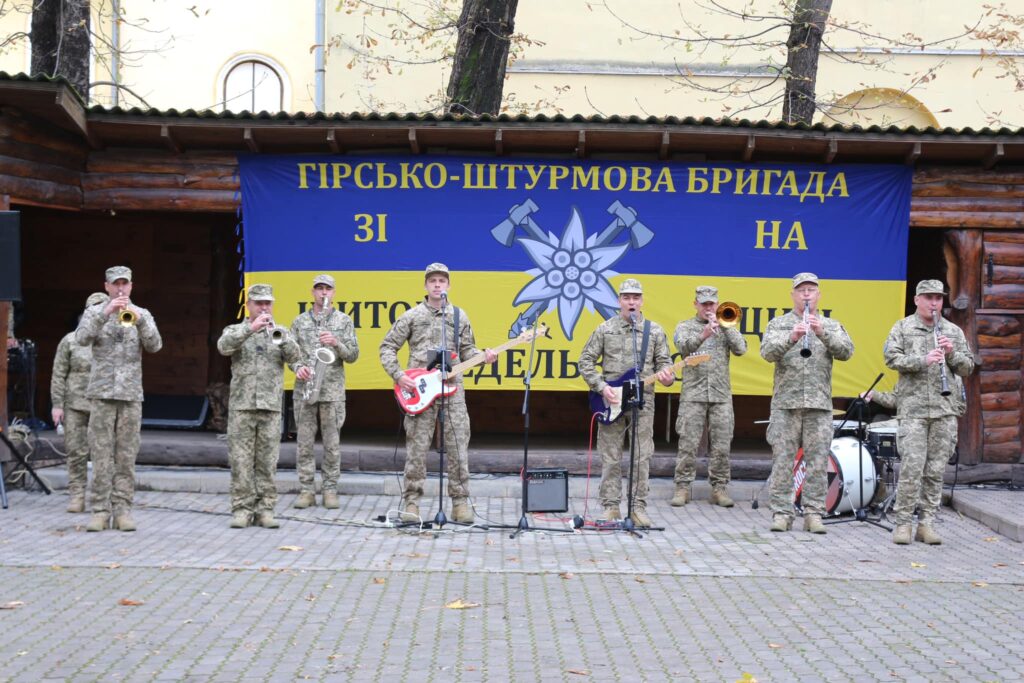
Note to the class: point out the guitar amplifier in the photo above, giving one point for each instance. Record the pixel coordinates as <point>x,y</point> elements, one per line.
<point>547,490</point>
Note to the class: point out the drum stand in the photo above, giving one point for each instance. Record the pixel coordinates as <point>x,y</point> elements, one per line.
<point>860,513</point>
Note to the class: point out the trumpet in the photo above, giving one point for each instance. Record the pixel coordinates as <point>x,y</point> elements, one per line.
<point>127,317</point>
<point>729,314</point>
<point>274,333</point>
<point>944,391</point>
<point>805,352</point>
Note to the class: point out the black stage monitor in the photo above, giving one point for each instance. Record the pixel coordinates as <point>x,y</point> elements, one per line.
<point>10,256</point>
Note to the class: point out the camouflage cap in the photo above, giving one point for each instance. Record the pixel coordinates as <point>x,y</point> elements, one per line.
<point>261,293</point>
<point>707,295</point>
<point>436,268</point>
<point>96,298</point>
<point>324,279</point>
<point>801,278</point>
<point>630,286</point>
<point>930,287</point>
<point>115,273</point>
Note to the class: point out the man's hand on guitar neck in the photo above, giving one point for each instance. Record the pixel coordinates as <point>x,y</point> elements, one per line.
<point>490,356</point>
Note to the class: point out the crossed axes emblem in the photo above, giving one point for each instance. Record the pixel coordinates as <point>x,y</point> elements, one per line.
<point>624,218</point>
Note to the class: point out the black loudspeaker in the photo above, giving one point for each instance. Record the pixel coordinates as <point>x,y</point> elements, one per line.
<point>10,256</point>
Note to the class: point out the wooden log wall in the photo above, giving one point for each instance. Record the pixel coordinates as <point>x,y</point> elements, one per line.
<point>39,163</point>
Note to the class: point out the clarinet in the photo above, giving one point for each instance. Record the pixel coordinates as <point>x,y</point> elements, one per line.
<point>806,350</point>
<point>942,369</point>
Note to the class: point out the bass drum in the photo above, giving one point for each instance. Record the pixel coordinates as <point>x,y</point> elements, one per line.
<point>845,486</point>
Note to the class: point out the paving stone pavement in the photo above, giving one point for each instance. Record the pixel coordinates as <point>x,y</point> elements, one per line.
<point>333,596</point>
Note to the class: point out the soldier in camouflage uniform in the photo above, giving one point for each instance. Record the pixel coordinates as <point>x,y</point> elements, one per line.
<point>927,420</point>
<point>801,414</point>
<point>611,344</point>
<point>71,367</point>
<point>254,407</point>
<point>706,398</point>
<point>420,327</point>
<point>115,388</point>
<point>322,326</point>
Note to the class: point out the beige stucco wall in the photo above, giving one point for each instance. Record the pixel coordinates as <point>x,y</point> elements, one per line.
<point>581,58</point>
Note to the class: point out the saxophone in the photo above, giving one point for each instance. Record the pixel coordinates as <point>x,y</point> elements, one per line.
<point>322,359</point>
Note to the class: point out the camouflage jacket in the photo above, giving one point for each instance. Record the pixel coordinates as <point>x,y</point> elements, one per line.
<point>919,385</point>
<point>804,382</point>
<point>708,382</point>
<point>71,366</point>
<point>890,400</point>
<point>257,366</point>
<point>117,352</point>
<point>306,331</point>
<point>421,328</point>
<point>611,342</point>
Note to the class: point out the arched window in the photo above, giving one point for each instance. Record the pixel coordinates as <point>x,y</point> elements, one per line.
<point>880,106</point>
<point>253,85</point>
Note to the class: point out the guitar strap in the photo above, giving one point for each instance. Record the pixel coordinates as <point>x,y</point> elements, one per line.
<point>643,344</point>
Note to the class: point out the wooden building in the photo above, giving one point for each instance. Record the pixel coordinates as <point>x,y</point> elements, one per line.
<point>159,191</point>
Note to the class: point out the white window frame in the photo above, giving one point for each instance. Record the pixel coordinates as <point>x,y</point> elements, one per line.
<point>276,66</point>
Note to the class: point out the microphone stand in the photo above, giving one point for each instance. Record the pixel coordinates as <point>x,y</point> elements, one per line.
<point>861,513</point>
<point>439,519</point>
<point>524,522</point>
<point>636,400</point>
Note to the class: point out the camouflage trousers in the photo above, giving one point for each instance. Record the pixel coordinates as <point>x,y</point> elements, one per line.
<point>419,432</point>
<point>925,446</point>
<point>254,443</point>
<point>609,444</point>
<point>76,443</point>
<point>113,444</point>
<point>789,431</point>
<point>720,422</point>
<point>331,416</point>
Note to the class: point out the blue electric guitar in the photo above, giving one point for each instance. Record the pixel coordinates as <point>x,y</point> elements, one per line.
<point>610,412</point>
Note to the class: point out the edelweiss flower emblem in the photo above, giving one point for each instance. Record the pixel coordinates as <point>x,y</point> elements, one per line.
<point>572,273</point>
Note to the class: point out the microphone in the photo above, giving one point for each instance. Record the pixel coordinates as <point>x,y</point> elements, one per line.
<point>632,318</point>
<point>444,296</point>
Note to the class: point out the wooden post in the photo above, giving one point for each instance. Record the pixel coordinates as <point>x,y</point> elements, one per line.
<point>5,307</point>
<point>963,250</point>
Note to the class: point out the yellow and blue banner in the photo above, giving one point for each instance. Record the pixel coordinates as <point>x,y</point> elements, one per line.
<point>552,239</point>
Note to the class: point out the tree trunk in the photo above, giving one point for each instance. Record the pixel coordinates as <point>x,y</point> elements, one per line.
<point>45,19</point>
<point>802,48</point>
<point>481,54</point>
<point>60,41</point>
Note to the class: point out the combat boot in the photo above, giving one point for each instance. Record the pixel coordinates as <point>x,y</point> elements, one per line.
<point>640,518</point>
<point>461,511</point>
<point>926,534</point>
<point>98,522</point>
<point>240,519</point>
<point>781,522</point>
<point>682,496</point>
<point>304,500</point>
<point>123,521</point>
<point>901,534</point>
<point>265,519</point>
<point>720,498</point>
<point>813,524</point>
<point>612,514</point>
<point>76,503</point>
<point>410,513</point>
<point>330,500</point>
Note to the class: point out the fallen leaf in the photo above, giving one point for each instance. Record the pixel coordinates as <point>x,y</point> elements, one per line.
<point>311,597</point>
<point>456,550</point>
<point>415,555</point>
<point>979,584</point>
<point>57,567</point>
<point>640,579</point>
<point>566,575</point>
<point>512,558</point>
<point>489,541</point>
<point>746,678</point>
<point>130,603</point>
<point>999,564</point>
<point>293,548</point>
<point>578,672</point>
<point>459,603</point>
<point>918,565</point>
<point>14,604</point>
<point>991,539</point>
<point>112,565</point>
<point>951,661</point>
<point>470,668</point>
<point>379,580</point>
<point>774,646</point>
